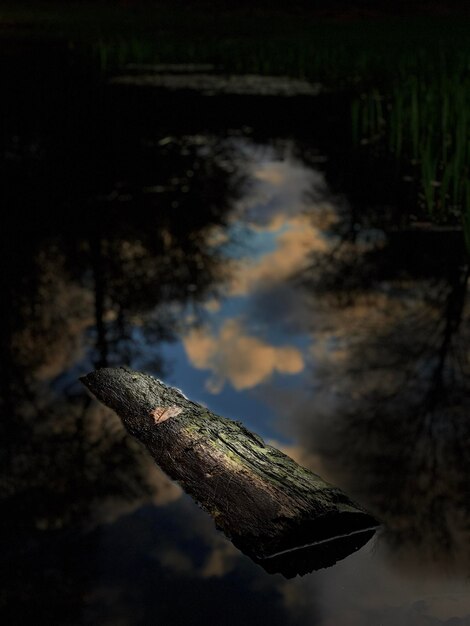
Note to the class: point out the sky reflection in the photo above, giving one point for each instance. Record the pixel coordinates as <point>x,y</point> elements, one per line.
<point>324,357</point>
<point>254,332</point>
<point>228,268</point>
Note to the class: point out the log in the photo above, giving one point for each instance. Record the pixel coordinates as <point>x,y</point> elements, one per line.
<point>285,517</point>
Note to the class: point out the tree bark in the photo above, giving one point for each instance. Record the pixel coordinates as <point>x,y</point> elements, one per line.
<point>282,515</point>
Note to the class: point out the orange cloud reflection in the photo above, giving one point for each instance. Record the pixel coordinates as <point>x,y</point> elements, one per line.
<point>233,355</point>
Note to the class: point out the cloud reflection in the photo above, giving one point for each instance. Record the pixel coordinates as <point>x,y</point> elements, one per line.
<point>295,238</point>
<point>233,355</point>
<point>279,235</point>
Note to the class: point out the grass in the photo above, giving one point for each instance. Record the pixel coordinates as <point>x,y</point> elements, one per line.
<point>423,117</point>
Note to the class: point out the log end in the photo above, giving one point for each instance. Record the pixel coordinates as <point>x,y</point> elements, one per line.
<point>315,556</point>
<point>315,543</point>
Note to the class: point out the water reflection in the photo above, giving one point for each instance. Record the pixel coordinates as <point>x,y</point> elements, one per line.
<point>254,335</point>
<point>335,329</point>
<point>106,288</point>
<point>386,416</point>
<point>104,284</point>
<point>379,405</point>
<point>391,358</point>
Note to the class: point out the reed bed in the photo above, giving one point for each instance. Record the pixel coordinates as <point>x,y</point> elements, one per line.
<point>408,79</point>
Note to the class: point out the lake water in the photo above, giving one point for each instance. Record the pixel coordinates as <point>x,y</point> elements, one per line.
<point>238,247</point>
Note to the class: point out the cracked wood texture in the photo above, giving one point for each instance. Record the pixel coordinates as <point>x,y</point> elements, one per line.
<point>271,508</point>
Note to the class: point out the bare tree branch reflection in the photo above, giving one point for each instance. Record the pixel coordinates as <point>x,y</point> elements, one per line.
<point>119,242</point>
<point>390,411</point>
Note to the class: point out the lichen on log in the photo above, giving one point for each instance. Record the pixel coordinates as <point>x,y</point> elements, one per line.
<point>282,515</point>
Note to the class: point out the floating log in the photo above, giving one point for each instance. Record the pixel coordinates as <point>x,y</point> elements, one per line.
<point>282,515</point>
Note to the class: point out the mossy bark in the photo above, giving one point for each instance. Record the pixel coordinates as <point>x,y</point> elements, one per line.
<point>271,508</point>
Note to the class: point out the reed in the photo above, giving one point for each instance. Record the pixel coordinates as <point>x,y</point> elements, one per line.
<point>409,80</point>
<point>425,124</point>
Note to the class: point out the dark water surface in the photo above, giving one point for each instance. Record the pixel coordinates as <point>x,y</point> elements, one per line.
<point>237,247</point>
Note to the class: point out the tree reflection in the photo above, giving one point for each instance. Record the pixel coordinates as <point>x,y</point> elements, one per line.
<point>391,378</point>
<point>104,238</point>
